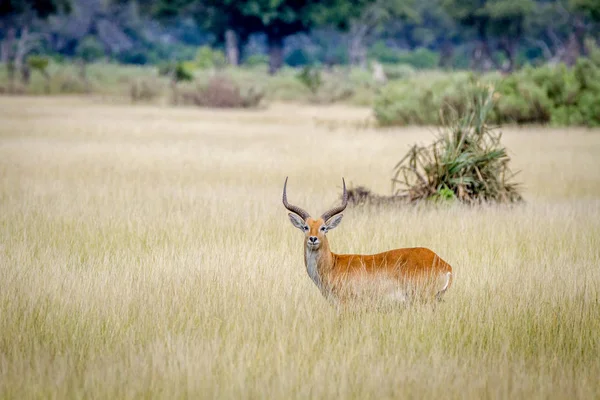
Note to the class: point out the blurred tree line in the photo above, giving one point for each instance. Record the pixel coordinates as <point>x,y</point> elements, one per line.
<point>475,34</point>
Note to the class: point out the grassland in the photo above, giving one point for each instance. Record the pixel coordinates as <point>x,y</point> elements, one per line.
<point>144,252</point>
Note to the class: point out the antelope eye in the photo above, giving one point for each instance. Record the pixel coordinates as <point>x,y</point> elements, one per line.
<point>323,228</point>
<point>305,228</point>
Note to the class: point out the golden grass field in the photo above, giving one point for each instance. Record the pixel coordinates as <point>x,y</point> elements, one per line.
<point>145,252</point>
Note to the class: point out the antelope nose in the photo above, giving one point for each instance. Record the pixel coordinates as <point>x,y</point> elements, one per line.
<point>312,239</point>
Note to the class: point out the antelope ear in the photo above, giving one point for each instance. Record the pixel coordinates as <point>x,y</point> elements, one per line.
<point>297,221</point>
<point>334,221</point>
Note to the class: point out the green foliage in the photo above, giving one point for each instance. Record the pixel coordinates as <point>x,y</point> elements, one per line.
<point>398,71</point>
<point>255,60</point>
<point>179,71</point>
<point>466,161</point>
<point>299,57</point>
<point>38,63</point>
<point>420,58</point>
<point>490,17</point>
<point>444,193</point>
<point>311,78</point>
<point>137,57</point>
<point>89,49</point>
<point>383,53</point>
<point>207,57</point>
<point>588,7</point>
<point>418,100</point>
<point>276,19</point>
<point>553,95</point>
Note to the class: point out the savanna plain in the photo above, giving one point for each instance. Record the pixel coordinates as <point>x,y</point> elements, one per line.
<point>145,252</point>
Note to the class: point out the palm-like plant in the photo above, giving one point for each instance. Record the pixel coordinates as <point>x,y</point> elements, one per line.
<point>466,158</point>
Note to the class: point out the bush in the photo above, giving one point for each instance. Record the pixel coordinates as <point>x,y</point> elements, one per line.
<point>179,72</point>
<point>221,92</point>
<point>38,63</point>
<point>311,78</point>
<point>553,95</point>
<point>398,71</point>
<point>326,87</point>
<point>256,60</point>
<point>522,102</point>
<point>466,162</point>
<point>90,49</point>
<point>298,58</point>
<point>421,101</point>
<point>420,58</point>
<point>136,57</point>
<point>384,53</point>
<point>207,57</point>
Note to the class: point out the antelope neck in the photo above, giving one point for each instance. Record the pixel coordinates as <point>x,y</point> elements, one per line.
<point>318,262</point>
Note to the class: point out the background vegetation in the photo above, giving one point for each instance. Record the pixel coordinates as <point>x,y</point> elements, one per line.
<point>407,59</point>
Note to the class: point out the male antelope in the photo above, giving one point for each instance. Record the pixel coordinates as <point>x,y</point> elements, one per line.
<point>395,275</point>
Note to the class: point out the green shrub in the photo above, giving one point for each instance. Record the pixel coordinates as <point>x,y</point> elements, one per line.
<point>38,63</point>
<point>137,57</point>
<point>398,71</point>
<point>90,49</point>
<point>522,102</point>
<point>179,71</point>
<point>311,78</point>
<point>383,53</point>
<point>420,101</point>
<point>220,92</point>
<point>299,57</point>
<point>466,161</point>
<point>554,95</point>
<point>420,58</point>
<point>207,57</point>
<point>255,60</point>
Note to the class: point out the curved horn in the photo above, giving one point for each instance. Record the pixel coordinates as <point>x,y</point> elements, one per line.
<point>336,210</point>
<point>292,208</point>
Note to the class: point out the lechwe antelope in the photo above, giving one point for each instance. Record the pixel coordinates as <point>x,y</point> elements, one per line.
<point>400,275</point>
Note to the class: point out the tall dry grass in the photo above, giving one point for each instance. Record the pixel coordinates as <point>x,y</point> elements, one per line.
<point>144,252</point>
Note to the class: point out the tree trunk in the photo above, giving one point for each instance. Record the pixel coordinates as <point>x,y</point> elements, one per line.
<point>21,53</point>
<point>483,59</point>
<point>83,75</point>
<point>232,47</point>
<point>46,76</point>
<point>509,47</point>
<point>8,56</point>
<point>477,57</point>
<point>575,45</point>
<point>572,50</point>
<point>6,46</point>
<point>357,51</point>
<point>174,91</point>
<point>25,74</point>
<point>275,54</point>
<point>446,54</point>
